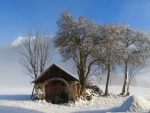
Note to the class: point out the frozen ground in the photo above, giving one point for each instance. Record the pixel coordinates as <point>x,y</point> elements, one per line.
<point>17,100</point>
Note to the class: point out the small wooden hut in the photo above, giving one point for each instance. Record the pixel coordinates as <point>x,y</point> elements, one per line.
<point>57,85</point>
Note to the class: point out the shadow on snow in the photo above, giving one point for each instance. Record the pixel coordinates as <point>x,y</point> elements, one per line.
<point>15,97</point>
<point>99,111</point>
<point>11,109</point>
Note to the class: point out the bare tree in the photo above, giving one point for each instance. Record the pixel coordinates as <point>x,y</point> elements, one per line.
<point>110,33</point>
<point>133,46</point>
<point>36,52</point>
<point>75,41</point>
<point>134,68</point>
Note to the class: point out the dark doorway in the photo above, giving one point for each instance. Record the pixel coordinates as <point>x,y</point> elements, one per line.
<point>56,92</point>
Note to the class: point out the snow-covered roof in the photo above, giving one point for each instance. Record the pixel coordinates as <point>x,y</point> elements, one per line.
<point>59,68</point>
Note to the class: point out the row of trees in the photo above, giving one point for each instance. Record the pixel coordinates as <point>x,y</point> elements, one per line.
<point>89,45</point>
<point>92,45</point>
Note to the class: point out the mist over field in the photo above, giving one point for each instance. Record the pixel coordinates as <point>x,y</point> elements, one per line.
<point>12,73</point>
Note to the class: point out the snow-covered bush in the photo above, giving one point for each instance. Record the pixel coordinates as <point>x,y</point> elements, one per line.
<point>93,87</point>
<point>38,95</point>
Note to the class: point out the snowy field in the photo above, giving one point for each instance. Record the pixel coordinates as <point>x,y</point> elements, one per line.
<point>17,100</point>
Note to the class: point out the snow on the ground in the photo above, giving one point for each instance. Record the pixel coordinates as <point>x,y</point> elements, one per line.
<point>18,101</point>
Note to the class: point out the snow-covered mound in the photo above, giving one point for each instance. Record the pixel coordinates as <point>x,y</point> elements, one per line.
<point>135,104</point>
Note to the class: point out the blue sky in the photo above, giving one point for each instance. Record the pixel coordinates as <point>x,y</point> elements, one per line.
<point>19,16</point>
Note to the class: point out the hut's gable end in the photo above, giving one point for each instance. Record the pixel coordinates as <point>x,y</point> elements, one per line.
<point>55,72</point>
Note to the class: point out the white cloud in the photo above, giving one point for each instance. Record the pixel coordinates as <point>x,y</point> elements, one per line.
<point>18,41</point>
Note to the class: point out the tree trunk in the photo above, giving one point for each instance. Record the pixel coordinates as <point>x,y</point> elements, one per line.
<point>32,92</point>
<point>82,75</point>
<point>124,88</point>
<point>82,83</point>
<point>83,86</point>
<point>83,89</point>
<point>108,79</point>
<point>128,89</point>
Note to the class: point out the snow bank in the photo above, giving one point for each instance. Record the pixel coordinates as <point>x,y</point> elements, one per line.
<point>135,104</point>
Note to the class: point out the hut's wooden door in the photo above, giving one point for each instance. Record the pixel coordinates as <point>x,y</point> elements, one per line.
<point>56,93</point>
<point>55,90</point>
